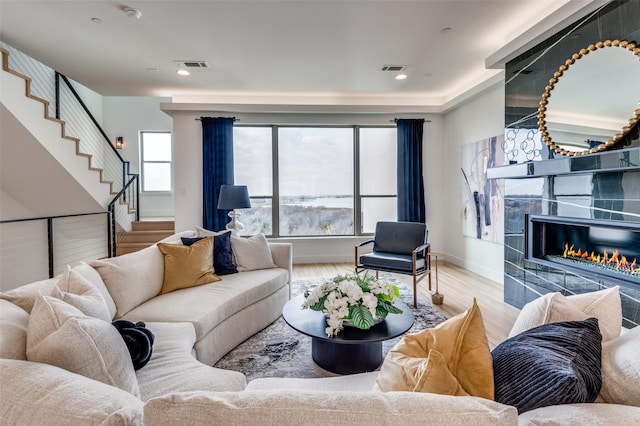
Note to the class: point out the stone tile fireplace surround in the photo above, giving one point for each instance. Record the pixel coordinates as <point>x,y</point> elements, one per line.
<point>601,189</point>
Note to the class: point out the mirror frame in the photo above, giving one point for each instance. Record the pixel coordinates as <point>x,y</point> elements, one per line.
<point>542,109</point>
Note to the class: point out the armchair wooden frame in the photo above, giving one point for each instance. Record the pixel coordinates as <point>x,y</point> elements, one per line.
<point>418,274</point>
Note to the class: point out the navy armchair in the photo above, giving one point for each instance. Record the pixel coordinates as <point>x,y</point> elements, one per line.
<point>398,247</point>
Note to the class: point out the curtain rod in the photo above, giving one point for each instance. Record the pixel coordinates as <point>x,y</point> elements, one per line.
<point>395,120</point>
<point>233,118</point>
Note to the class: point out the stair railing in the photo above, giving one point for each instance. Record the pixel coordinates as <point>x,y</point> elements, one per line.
<point>130,191</point>
<point>80,123</point>
<point>55,226</point>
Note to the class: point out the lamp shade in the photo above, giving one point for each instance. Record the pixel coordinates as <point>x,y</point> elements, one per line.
<point>233,197</point>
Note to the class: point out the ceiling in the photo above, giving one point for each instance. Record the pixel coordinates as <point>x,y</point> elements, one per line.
<point>318,49</point>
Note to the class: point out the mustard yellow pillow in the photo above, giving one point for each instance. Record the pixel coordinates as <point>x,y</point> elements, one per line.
<point>187,266</point>
<point>451,359</point>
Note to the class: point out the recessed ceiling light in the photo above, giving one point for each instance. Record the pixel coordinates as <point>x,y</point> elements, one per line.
<point>183,72</point>
<point>132,13</point>
<point>401,76</point>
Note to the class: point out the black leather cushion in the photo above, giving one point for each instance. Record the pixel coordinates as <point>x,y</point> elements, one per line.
<point>139,341</point>
<point>399,237</point>
<point>398,262</point>
<point>556,363</point>
<point>222,253</point>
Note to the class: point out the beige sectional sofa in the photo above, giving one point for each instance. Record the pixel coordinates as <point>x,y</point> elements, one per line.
<point>193,328</point>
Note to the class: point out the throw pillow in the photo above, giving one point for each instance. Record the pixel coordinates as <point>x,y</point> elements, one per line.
<point>25,295</point>
<point>132,278</point>
<point>77,291</point>
<point>94,278</point>
<point>139,340</point>
<point>187,266</point>
<point>252,253</point>
<point>222,253</point>
<point>557,363</point>
<point>621,369</point>
<point>59,334</point>
<point>13,331</point>
<point>555,307</point>
<point>451,359</point>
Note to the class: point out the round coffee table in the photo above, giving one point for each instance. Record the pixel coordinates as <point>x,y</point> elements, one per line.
<point>352,350</point>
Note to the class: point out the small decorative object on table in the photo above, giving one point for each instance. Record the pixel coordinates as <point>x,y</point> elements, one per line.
<point>358,300</point>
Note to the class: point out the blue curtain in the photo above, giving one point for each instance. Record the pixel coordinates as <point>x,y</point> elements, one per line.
<point>411,206</point>
<point>217,168</point>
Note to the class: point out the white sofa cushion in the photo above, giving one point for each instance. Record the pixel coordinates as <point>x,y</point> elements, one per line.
<point>94,278</point>
<point>555,307</point>
<point>77,291</point>
<point>362,382</point>
<point>251,253</point>
<point>132,278</point>
<point>41,394</point>
<point>172,368</point>
<point>13,331</point>
<point>621,369</point>
<point>581,414</point>
<point>295,407</point>
<point>25,296</point>
<point>59,334</point>
<point>208,305</point>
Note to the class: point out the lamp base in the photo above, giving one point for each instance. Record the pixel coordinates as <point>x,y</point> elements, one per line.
<point>437,298</point>
<point>233,224</point>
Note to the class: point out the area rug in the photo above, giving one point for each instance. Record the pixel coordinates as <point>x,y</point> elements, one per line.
<point>280,351</point>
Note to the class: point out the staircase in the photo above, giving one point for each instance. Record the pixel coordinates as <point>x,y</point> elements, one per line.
<point>143,234</point>
<point>48,130</point>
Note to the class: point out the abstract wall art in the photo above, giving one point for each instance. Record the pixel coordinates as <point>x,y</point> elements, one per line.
<point>482,200</point>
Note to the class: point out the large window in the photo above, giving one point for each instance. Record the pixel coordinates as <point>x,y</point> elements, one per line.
<point>322,180</point>
<point>156,161</point>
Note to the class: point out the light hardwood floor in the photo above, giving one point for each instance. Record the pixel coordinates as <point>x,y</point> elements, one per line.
<point>458,286</point>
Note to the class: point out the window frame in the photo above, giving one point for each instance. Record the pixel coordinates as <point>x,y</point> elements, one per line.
<point>143,162</point>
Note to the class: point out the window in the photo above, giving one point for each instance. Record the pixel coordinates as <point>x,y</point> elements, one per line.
<point>316,181</point>
<point>321,180</point>
<point>156,161</point>
<point>378,177</point>
<point>253,166</point>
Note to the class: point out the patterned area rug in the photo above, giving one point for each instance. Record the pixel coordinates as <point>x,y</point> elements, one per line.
<point>280,351</point>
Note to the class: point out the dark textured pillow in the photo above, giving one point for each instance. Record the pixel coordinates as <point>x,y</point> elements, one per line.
<point>222,254</point>
<point>139,341</point>
<point>556,363</point>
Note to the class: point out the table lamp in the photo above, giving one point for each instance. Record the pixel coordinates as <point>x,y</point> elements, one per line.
<point>232,197</point>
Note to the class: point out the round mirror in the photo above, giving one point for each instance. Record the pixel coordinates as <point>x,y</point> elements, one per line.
<point>593,99</point>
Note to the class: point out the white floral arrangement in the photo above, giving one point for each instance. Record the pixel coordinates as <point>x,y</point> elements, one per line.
<point>362,300</point>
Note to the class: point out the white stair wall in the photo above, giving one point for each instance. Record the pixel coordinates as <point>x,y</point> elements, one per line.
<point>49,132</point>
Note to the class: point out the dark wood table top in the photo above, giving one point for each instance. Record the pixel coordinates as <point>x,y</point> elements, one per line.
<point>312,323</point>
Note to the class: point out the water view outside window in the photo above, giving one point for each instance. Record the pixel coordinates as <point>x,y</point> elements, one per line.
<point>314,193</point>
<point>316,181</point>
<point>156,161</point>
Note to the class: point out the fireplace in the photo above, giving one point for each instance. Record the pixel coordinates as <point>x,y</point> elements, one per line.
<point>600,249</point>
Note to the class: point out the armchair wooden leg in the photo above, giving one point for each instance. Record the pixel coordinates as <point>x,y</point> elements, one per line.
<point>415,292</point>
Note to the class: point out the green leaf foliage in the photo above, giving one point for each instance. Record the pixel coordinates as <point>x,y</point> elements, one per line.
<point>361,317</point>
<point>388,307</point>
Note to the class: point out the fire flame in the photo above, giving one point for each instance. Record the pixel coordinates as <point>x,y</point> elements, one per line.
<point>614,261</point>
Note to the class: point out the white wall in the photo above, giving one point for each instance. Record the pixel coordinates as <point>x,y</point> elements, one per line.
<point>479,118</point>
<point>127,117</point>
